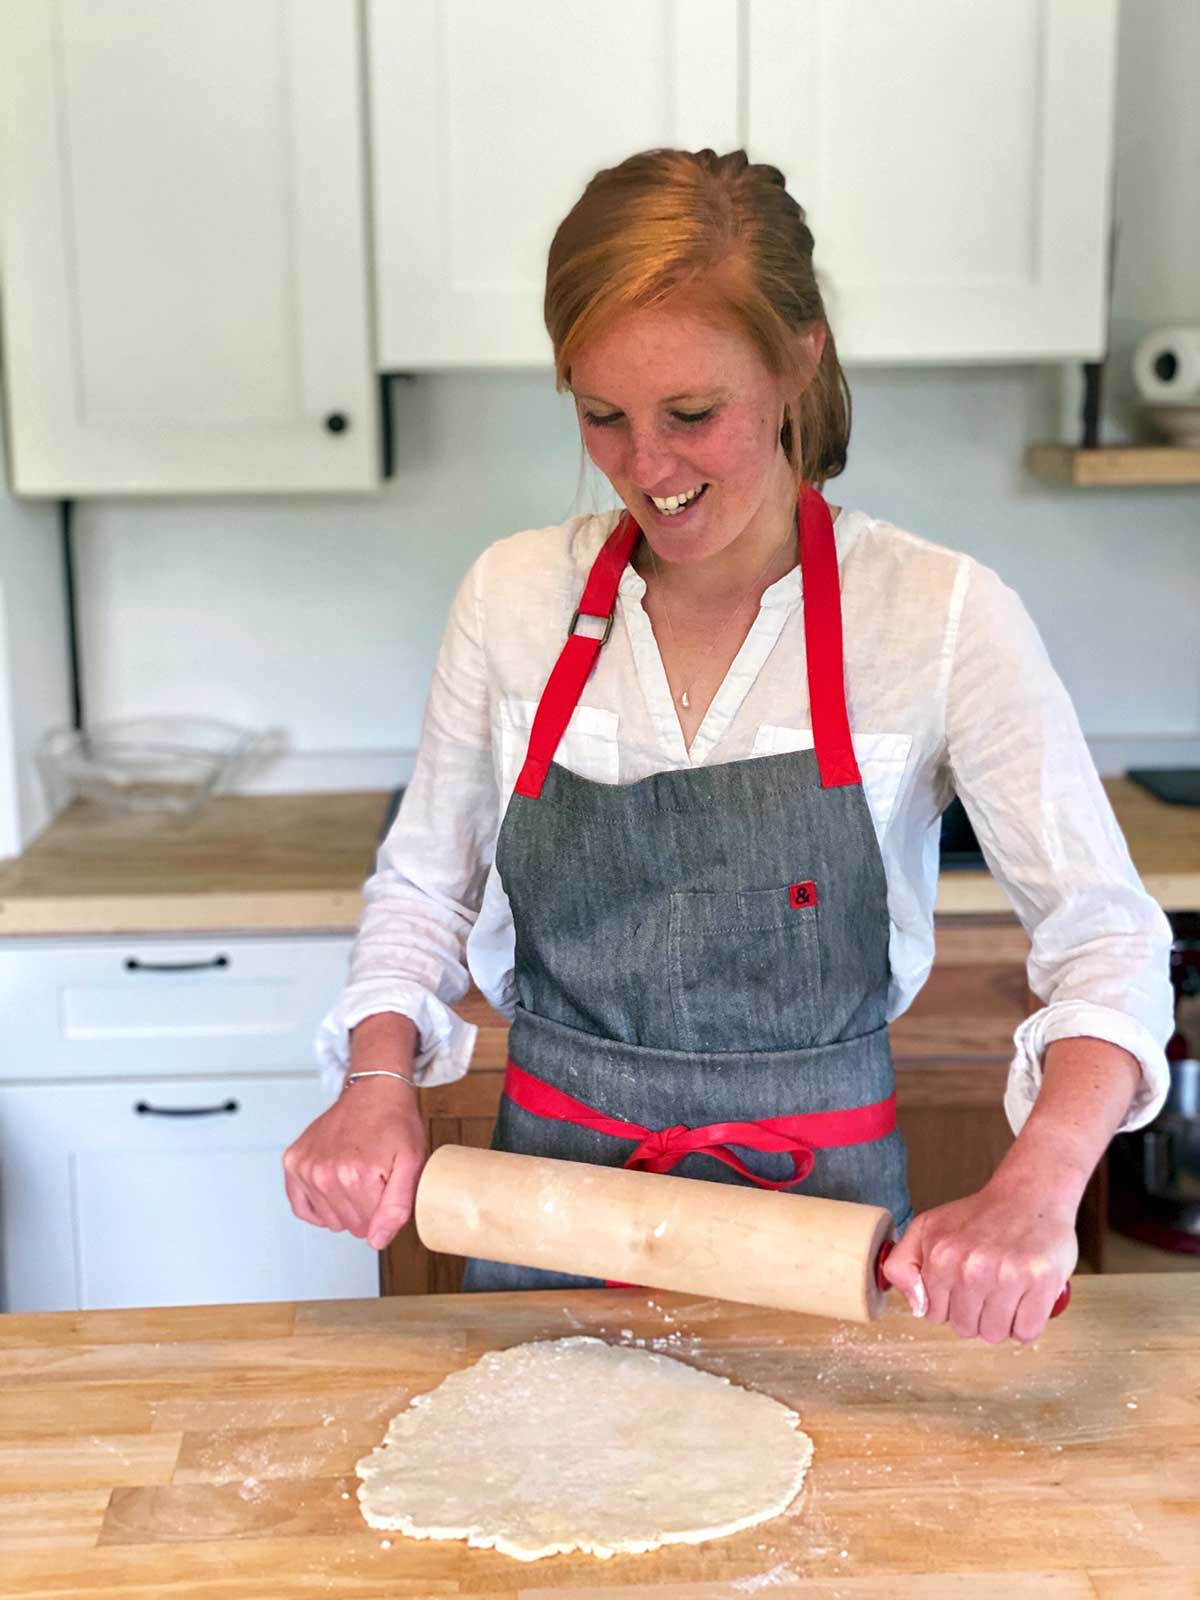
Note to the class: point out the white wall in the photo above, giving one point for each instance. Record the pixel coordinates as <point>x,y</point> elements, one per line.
<point>1157,280</point>
<point>34,668</point>
<point>322,616</point>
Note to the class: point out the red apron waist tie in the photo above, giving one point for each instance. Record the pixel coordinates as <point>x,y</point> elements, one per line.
<point>660,1149</point>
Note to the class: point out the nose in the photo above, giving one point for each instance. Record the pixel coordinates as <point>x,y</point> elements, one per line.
<point>652,460</point>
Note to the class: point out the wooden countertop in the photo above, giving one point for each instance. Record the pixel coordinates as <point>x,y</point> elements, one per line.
<point>283,863</point>
<point>206,1453</point>
<point>296,863</point>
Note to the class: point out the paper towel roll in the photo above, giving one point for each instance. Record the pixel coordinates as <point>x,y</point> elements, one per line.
<point>1166,366</point>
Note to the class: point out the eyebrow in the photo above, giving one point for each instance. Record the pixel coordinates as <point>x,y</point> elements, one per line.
<point>688,394</point>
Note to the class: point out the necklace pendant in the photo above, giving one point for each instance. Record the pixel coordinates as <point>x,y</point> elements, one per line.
<point>683,699</point>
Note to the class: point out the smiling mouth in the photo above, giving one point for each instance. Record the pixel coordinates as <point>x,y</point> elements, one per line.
<point>675,505</point>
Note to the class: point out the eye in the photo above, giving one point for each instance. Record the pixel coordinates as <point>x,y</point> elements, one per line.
<point>601,422</point>
<point>694,416</point>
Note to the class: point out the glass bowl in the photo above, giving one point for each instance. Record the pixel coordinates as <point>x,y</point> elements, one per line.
<point>163,763</point>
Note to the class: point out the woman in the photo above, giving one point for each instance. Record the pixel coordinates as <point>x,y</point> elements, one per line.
<point>677,879</point>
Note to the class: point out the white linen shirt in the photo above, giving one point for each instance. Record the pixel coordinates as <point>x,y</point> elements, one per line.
<point>949,689</point>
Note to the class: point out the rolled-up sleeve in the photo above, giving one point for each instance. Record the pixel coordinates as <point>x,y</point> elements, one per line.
<point>421,901</point>
<point>1099,945</point>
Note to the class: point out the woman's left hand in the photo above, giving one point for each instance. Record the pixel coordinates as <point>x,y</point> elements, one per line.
<point>992,1264</point>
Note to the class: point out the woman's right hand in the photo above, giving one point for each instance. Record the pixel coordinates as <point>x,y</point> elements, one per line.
<point>355,1169</point>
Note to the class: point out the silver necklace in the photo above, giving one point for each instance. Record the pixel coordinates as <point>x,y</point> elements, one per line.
<point>720,633</point>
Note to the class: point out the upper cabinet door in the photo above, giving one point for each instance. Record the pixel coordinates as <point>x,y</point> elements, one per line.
<point>185,274</point>
<point>488,120</point>
<point>954,162</point>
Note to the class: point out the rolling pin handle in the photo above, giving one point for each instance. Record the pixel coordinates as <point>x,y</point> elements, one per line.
<point>885,1250</point>
<point>888,1245</point>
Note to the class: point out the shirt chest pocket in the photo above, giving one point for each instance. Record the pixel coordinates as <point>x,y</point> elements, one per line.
<point>882,760</point>
<point>587,748</point>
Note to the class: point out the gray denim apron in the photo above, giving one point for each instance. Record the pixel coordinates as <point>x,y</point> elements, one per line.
<point>701,958</point>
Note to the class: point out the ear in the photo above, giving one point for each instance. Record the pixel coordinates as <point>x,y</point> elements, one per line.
<point>809,347</point>
<point>813,342</point>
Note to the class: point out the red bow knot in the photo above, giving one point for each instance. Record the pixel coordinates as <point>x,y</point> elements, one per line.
<point>660,1149</point>
<point>664,1148</point>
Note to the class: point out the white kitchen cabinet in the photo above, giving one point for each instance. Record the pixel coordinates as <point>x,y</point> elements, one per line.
<point>148,1090</point>
<point>185,257</point>
<point>955,172</point>
<point>153,1007</point>
<point>955,168</point>
<point>486,122</point>
<point>109,1196</point>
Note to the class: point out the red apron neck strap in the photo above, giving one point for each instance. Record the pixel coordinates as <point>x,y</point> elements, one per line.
<point>823,643</point>
<point>600,590</point>
<point>574,665</point>
<point>822,640</point>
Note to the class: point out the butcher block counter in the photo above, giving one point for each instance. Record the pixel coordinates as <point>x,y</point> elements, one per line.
<point>208,1453</point>
<point>297,862</point>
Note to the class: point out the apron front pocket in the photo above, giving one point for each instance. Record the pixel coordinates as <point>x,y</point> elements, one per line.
<point>745,969</point>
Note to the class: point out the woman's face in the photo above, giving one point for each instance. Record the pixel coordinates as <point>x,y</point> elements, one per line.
<point>668,404</point>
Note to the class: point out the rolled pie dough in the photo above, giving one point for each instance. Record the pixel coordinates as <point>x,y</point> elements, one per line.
<point>575,1444</point>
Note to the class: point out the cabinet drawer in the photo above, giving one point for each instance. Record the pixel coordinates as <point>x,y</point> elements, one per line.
<point>162,1192</point>
<point>127,1007</point>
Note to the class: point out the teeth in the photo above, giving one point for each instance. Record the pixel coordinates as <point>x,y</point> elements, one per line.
<point>674,501</point>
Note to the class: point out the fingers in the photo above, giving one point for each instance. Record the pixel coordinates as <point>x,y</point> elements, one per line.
<point>902,1269</point>
<point>981,1299</point>
<point>1004,1314</point>
<point>966,1291</point>
<point>342,1175</point>
<point>1033,1312</point>
<point>302,1204</point>
<point>395,1205</point>
<point>307,1201</point>
<point>338,1195</point>
<point>993,1267</point>
<point>350,1190</point>
<point>966,1284</point>
<point>939,1300</point>
<point>998,1315</point>
<point>987,1316</point>
<point>919,1301</point>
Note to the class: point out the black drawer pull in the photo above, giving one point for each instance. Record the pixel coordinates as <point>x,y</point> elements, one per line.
<point>132,964</point>
<point>144,1109</point>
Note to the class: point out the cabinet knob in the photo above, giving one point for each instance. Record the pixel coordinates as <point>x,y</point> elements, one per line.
<point>337,422</point>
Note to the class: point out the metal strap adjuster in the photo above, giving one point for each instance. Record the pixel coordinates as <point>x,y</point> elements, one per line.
<point>608,625</point>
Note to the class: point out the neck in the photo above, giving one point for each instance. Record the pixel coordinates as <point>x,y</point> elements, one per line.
<point>759,556</point>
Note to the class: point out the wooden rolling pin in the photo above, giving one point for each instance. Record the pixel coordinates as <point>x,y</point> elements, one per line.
<point>791,1251</point>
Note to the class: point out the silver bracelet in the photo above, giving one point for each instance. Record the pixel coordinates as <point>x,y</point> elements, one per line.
<point>353,1077</point>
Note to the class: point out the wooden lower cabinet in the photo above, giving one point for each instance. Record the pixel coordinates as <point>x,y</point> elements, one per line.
<point>952,1051</point>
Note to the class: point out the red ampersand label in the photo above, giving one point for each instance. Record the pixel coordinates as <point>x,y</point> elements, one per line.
<point>802,894</point>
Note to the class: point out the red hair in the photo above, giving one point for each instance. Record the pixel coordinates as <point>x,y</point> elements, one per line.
<point>723,236</point>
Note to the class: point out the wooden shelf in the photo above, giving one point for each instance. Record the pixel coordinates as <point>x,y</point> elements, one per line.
<point>1131,466</point>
